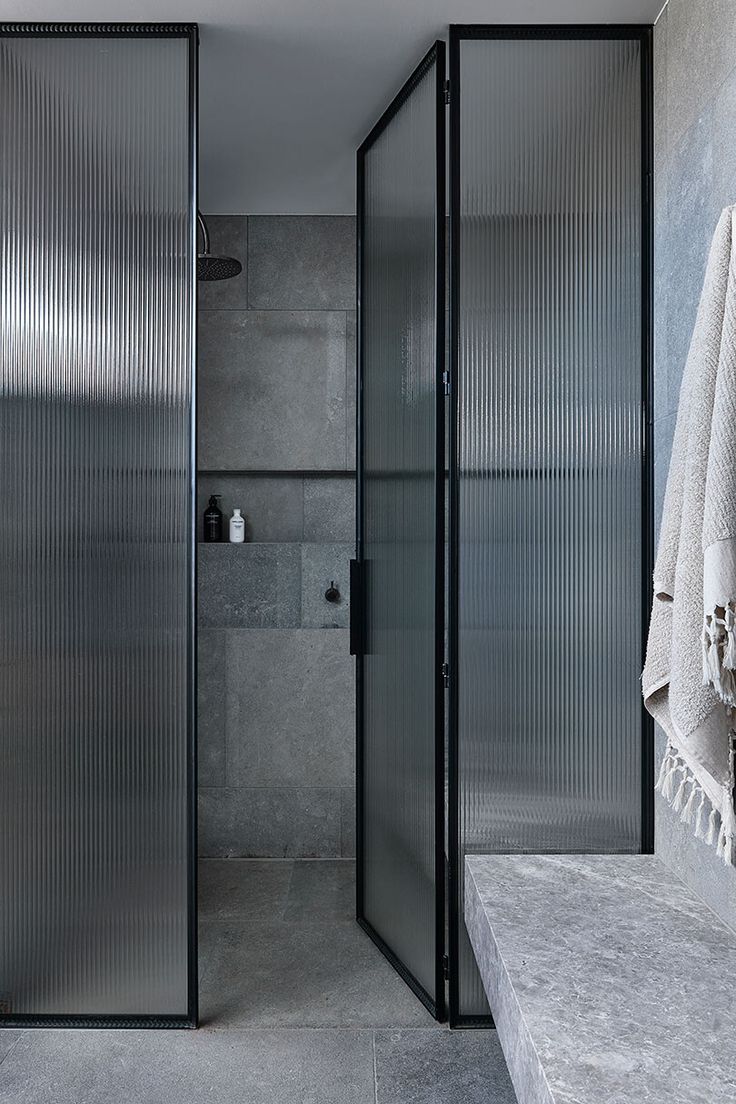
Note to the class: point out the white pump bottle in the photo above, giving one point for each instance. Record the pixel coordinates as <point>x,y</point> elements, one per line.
<point>237,528</point>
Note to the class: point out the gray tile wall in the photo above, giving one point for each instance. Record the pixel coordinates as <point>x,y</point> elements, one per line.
<point>694,178</point>
<point>277,347</point>
<point>276,438</point>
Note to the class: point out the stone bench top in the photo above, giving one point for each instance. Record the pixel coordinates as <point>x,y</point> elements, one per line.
<point>610,982</point>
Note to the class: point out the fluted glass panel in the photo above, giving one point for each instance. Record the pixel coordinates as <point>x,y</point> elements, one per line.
<point>550,449</point>
<point>398,300</point>
<point>95,411</point>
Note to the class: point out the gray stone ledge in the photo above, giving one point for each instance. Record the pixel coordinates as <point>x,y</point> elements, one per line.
<point>608,979</point>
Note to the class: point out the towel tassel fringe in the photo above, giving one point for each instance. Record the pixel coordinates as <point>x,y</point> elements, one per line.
<point>713,819</point>
<point>700,818</point>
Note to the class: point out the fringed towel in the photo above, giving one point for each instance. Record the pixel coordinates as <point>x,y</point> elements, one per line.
<point>689,679</point>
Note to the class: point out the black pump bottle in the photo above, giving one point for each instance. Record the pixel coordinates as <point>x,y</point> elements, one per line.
<point>213,521</point>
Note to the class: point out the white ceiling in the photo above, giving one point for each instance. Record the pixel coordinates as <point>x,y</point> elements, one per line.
<point>288,88</point>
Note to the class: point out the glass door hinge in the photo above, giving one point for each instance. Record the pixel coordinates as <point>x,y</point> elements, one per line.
<point>446,381</point>
<point>446,967</point>
<point>446,673</point>
<point>447,91</point>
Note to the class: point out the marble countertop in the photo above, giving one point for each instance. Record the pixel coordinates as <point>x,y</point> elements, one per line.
<point>610,982</point>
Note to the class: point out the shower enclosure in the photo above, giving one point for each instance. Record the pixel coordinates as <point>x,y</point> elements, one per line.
<point>97,267</point>
<point>548,468</point>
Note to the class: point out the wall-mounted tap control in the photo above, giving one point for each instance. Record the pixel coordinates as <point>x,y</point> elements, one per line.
<point>332,594</point>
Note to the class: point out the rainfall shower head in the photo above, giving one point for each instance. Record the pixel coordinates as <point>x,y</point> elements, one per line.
<point>211,267</point>
<point>217,268</point>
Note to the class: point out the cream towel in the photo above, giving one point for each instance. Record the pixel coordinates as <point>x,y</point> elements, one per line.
<point>688,682</point>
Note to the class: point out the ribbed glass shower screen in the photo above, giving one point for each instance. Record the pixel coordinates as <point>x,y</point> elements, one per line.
<point>550,505</point>
<point>97,203</point>
<point>401,216</point>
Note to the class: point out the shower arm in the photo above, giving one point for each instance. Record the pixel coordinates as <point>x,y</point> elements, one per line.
<point>214,268</point>
<point>205,234</point>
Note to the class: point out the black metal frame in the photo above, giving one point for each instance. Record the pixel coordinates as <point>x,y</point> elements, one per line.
<point>459,33</point>
<point>435,56</point>
<point>190,31</point>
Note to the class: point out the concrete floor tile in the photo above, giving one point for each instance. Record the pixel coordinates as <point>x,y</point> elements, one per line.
<point>441,1066</point>
<point>243,889</point>
<point>323,888</point>
<point>187,1067</point>
<point>288,1011</point>
<point>316,974</point>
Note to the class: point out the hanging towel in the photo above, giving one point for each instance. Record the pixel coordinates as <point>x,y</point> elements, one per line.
<point>689,679</point>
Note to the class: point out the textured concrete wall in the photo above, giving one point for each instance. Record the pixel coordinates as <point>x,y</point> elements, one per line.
<point>695,177</point>
<point>276,437</point>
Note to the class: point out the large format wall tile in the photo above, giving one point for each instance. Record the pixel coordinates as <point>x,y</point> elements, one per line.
<point>229,238</point>
<point>290,709</point>
<point>271,390</point>
<point>247,585</point>
<point>329,509</point>
<point>700,54</point>
<point>273,505</point>
<point>275,822</point>
<point>694,173</point>
<point>695,862</point>
<point>659,91</point>
<point>660,327</point>
<point>724,148</point>
<point>301,262</point>
<point>692,216</point>
<point>211,707</point>
<point>347,821</point>
<point>323,564</point>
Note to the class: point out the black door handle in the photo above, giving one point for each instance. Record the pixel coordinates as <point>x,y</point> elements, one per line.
<point>357,607</point>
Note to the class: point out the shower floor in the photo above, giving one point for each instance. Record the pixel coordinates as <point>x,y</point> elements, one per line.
<point>296,1005</point>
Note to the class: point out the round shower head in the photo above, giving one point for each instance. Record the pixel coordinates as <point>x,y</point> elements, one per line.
<point>210,267</point>
<point>217,268</point>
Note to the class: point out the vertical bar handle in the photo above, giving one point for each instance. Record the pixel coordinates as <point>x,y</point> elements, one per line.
<point>357,607</point>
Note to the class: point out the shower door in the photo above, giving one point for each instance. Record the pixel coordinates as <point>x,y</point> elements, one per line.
<point>97,256</point>
<point>398,576</point>
<point>551,520</point>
